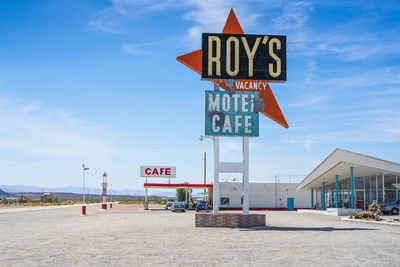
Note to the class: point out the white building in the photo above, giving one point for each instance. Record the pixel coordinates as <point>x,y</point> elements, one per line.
<point>263,195</point>
<point>349,180</point>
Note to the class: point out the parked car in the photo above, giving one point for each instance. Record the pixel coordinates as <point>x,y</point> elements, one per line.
<point>169,203</point>
<point>392,208</point>
<point>178,206</point>
<point>201,205</point>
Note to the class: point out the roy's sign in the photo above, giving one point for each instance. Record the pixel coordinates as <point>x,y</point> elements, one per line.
<point>158,171</point>
<point>244,56</point>
<point>229,114</point>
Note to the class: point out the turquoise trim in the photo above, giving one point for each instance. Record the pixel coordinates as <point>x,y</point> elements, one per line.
<point>337,192</point>
<point>352,186</point>
<point>312,198</point>
<point>323,195</point>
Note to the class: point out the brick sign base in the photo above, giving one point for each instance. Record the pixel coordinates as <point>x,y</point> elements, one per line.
<point>232,220</point>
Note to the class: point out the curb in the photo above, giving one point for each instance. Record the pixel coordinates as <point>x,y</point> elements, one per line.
<point>374,222</point>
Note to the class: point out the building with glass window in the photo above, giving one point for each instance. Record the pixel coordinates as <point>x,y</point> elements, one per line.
<point>349,180</point>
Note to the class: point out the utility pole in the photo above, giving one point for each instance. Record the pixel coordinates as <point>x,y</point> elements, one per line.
<point>205,175</point>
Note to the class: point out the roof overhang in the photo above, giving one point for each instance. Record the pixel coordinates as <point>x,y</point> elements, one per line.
<point>339,163</point>
<point>158,185</point>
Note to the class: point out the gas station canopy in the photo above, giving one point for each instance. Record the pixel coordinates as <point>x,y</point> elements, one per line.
<point>159,185</point>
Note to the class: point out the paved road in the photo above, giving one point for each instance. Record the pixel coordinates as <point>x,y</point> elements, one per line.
<point>129,236</point>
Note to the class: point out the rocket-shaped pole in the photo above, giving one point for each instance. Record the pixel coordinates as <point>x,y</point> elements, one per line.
<point>104,190</point>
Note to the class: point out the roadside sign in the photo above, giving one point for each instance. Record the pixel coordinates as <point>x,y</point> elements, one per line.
<point>244,56</point>
<point>228,114</point>
<point>193,60</point>
<point>158,171</point>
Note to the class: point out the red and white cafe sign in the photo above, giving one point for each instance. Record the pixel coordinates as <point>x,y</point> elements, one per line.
<point>158,171</point>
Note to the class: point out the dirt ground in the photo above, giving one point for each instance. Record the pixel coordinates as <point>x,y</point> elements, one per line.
<point>127,235</point>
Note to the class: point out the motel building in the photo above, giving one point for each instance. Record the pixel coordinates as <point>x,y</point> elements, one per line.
<point>346,180</point>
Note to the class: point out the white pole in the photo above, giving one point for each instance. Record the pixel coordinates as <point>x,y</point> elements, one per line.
<point>376,188</point>
<point>145,198</point>
<point>397,188</point>
<point>246,175</point>
<point>383,187</point>
<point>84,197</point>
<point>216,176</point>
<point>205,175</point>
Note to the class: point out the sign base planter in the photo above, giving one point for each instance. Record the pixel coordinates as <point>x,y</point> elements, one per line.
<point>229,220</point>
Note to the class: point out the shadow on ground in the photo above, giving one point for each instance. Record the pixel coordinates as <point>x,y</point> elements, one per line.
<point>317,229</point>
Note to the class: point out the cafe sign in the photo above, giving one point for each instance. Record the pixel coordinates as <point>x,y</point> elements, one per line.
<point>228,114</point>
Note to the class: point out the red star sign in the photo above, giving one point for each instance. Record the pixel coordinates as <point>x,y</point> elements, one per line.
<point>271,108</point>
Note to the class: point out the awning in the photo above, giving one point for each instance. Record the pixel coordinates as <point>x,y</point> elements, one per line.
<point>339,163</point>
<point>158,185</point>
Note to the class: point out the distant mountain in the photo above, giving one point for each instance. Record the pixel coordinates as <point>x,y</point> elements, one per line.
<point>78,190</point>
<point>4,194</point>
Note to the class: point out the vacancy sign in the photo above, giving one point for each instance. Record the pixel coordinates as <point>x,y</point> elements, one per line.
<point>229,114</point>
<point>244,56</point>
<point>158,171</point>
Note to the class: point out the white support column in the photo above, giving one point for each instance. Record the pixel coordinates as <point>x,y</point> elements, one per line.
<point>383,187</point>
<point>370,189</point>
<point>146,205</point>
<point>376,189</point>
<point>216,199</point>
<point>397,189</point>
<point>246,175</point>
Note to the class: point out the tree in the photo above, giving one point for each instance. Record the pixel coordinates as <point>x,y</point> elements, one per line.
<point>22,199</point>
<point>180,193</point>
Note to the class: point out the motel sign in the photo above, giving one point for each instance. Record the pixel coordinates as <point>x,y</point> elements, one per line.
<point>244,56</point>
<point>229,114</point>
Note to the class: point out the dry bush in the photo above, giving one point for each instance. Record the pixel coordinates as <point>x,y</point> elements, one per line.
<point>373,213</point>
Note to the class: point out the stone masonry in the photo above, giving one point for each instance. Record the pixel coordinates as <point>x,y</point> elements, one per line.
<point>232,220</point>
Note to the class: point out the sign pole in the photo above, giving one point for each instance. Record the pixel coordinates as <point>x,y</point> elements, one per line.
<point>146,207</point>
<point>216,176</point>
<point>205,179</point>
<point>246,175</point>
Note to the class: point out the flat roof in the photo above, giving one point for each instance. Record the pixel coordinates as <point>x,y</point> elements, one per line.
<point>339,163</point>
<point>158,185</point>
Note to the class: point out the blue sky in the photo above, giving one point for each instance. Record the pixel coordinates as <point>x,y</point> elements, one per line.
<point>97,82</point>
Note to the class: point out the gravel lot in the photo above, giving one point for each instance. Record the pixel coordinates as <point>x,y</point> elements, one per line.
<point>127,235</point>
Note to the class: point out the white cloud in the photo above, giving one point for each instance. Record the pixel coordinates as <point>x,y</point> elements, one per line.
<point>306,102</point>
<point>294,16</point>
<point>207,15</point>
<point>211,15</point>
<point>380,76</point>
<point>35,129</point>
<point>114,18</point>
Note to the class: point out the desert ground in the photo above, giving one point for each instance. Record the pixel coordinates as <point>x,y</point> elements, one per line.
<point>129,236</point>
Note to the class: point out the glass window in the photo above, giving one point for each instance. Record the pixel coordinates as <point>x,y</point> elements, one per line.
<point>390,182</point>
<point>224,200</point>
<point>359,183</point>
<point>373,182</point>
<point>367,183</point>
